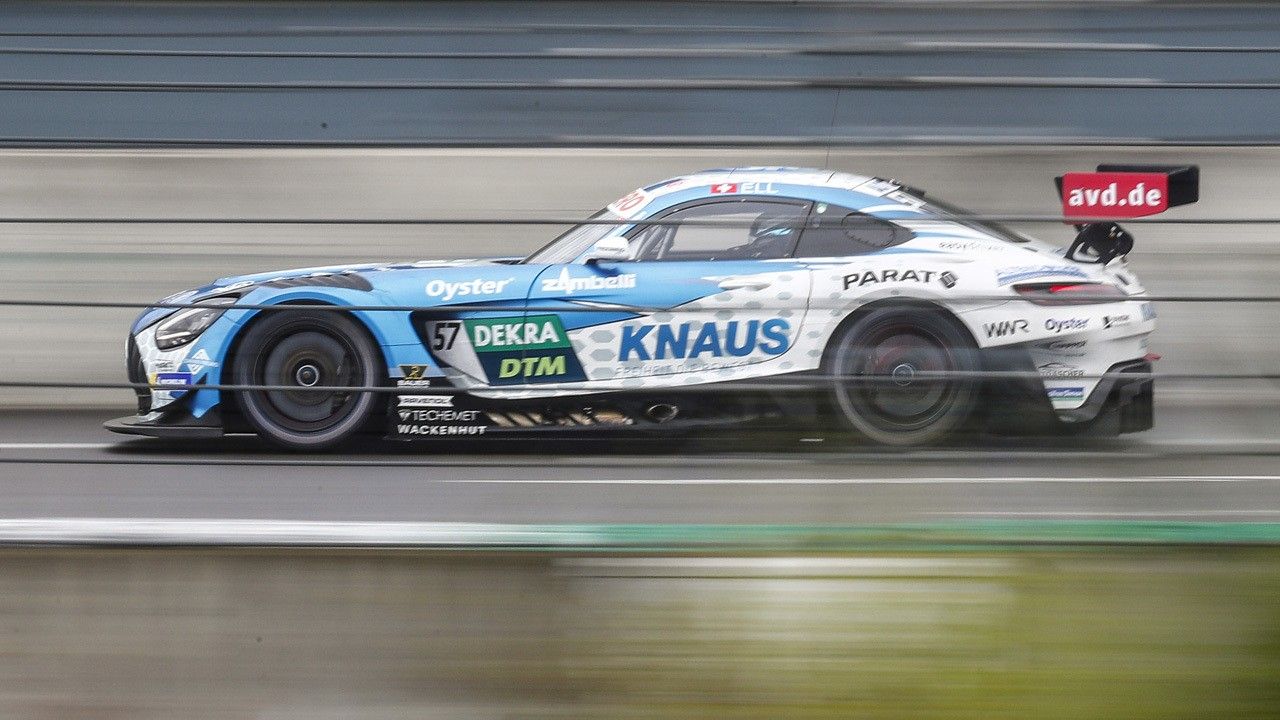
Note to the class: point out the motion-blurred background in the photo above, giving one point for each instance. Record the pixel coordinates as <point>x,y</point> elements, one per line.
<point>140,142</point>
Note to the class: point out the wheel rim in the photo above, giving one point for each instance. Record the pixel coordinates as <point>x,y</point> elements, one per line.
<point>883,379</point>
<point>309,359</point>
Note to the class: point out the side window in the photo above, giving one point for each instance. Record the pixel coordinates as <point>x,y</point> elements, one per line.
<point>836,231</point>
<point>723,230</point>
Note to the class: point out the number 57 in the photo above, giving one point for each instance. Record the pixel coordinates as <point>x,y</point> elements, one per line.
<point>444,334</point>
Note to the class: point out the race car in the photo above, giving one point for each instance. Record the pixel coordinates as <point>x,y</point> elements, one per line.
<point>726,296</point>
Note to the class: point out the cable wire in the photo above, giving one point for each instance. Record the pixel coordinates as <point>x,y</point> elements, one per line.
<point>596,307</point>
<point>680,53</point>
<point>1004,218</point>
<point>903,82</point>
<point>520,392</point>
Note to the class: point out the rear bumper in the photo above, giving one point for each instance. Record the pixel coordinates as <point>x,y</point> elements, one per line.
<point>1122,402</point>
<point>1124,395</point>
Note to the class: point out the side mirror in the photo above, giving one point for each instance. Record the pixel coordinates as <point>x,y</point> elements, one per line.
<point>613,249</point>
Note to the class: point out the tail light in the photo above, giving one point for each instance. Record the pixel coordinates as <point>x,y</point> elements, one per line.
<point>1070,293</point>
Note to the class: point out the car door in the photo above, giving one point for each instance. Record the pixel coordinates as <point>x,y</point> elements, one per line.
<point>710,294</point>
<point>471,344</point>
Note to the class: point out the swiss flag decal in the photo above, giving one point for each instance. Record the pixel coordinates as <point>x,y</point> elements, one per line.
<point>724,188</point>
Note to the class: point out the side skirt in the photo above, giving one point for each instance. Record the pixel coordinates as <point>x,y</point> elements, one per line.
<point>426,416</point>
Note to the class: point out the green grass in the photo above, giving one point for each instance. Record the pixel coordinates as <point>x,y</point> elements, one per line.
<point>1091,633</point>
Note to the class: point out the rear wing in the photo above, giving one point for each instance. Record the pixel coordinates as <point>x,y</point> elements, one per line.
<point>1128,191</point>
<point>1120,191</point>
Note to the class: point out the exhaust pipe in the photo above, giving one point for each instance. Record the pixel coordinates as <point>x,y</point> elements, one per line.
<point>661,412</point>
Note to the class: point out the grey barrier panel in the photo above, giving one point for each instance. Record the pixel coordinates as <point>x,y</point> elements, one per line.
<point>635,73</point>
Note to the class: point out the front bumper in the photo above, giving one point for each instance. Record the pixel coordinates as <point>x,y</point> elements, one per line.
<point>175,425</point>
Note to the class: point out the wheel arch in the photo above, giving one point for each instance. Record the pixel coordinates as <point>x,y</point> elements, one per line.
<point>227,399</point>
<point>950,413</point>
<point>897,303</point>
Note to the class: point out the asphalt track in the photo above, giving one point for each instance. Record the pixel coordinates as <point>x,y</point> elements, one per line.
<point>1210,463</point>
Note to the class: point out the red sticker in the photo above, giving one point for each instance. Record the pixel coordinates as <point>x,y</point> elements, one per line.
<point>1114,194</point>
<point>724,188</point>
<point>625,205</point>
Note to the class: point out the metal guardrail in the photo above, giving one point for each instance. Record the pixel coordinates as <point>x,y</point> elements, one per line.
<point>148,49</point>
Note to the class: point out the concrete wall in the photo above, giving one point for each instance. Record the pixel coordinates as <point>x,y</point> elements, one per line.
<point>141,263</point>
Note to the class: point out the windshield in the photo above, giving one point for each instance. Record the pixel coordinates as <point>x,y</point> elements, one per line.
<point>965,217</point>
<point>575,242</point>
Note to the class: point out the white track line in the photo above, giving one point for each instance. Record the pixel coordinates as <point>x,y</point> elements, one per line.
<point>55,446</point>
<point>870,481</point>
<point>284,532</point>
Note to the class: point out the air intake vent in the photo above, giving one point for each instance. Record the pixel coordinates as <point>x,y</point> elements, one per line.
<point>138,374</point>
<point>349,281</point>
<point>558,417</point>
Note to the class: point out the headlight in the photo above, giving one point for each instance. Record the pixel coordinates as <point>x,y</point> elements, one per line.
<point>187,325</point>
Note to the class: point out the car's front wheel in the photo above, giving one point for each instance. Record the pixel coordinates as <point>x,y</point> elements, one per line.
<point>890,375</point>
<point>310,351</point>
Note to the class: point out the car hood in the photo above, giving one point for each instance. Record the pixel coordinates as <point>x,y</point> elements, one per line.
<point>243,283</point>
<point>240,281</point>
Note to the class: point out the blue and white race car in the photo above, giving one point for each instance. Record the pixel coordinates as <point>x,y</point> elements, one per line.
<point>723,296</point>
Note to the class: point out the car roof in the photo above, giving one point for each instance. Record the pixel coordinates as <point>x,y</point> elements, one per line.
<point>787,175</point>
<point>856,191</point>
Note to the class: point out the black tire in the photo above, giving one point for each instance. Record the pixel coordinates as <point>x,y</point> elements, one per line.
<point>312,349</point>
<point>875,362</point>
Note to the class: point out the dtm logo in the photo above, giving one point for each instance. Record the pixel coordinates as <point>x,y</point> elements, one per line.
<point>533,367</point>
<point>872,277</point>
<point>1061,326</point>
<point>1006,327</point>
<point>449,290</point>
<point>568,285</point>
<point>736,339</point>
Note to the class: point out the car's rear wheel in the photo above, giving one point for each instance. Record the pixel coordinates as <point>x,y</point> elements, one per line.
<point>881,365</point>
<point>311,351</point>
